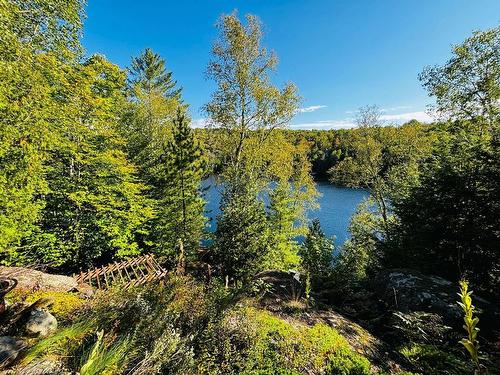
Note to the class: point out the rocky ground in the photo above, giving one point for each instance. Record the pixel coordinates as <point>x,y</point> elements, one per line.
<point>399,309</point>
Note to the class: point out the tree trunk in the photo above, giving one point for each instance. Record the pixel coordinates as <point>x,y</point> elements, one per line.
<point>181,263</point>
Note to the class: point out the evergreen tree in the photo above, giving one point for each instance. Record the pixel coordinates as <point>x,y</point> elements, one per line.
<point>448,223</point>
<point>149,76</point>
<point>154,100</point>
<point>360,256</point>
<point>283,214</point>
<point>316,254</point>
<point>180,209</point>
<point>240,243</point>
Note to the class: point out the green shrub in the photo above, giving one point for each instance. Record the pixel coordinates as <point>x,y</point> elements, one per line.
<point>433,360</point>
<point>60,344</point>
<point>184,327</point>
<point>147,330</point>
<point>251,341</point>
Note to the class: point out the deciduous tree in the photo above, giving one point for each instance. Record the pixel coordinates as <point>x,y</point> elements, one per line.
<point>468,85</point>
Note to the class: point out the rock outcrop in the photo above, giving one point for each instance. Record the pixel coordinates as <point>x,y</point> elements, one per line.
<point>408,290</point>
<point>280,284</point>
<point>426,306</point>
<point>33,280</point>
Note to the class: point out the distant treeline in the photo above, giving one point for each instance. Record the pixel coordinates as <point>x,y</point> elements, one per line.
<point>327,148</point>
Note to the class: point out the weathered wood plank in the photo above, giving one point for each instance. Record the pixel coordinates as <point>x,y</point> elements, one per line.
<point>137,271</point>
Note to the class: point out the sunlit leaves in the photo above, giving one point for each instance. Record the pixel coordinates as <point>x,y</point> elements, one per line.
<point>468,85</point>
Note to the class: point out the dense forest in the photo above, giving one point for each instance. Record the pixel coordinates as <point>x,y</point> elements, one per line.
<point>99,164</point>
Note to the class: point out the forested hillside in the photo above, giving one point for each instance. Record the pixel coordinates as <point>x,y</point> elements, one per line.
<point>99,164</point>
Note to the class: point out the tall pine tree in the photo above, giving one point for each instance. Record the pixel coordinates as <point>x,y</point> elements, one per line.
<point>179,223</point>
<point>153,102</point>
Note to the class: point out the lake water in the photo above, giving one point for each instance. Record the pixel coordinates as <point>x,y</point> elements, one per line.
<point>337,205</point>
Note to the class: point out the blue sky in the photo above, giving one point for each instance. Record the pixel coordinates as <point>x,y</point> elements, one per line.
<point>342,54</point>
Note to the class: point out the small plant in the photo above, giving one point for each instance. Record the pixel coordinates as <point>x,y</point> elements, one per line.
<point>470,342</point>
<point>434,359</point>
<point>106,360</point>
<point>61,344</point>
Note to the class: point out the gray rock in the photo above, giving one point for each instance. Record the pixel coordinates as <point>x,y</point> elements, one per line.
<point>44,367</point>
<point>281,284</point>
<point>408,290</point>
<point>9,349</point>
<point>29,279</point>
<point>41,323</point>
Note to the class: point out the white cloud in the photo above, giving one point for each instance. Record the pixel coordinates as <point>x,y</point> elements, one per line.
<point>407,116</point>
<point>325,125</point>
<point>394,109</point>
<point>311,108</point>
<point>345,123</point>
<point>199,123</point>
<point>350,123</point>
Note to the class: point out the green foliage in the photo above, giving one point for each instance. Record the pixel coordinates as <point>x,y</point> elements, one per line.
<point>468,85</point>
<point>102,360</point>
<point>284,211</point>
<point>183,327</point>
<point>437,193</point>
<point>246,113</point>
<point>149,76</point>
<point>433,360</point>
<point>382,159</point>
<point>448,222</point>
<point>249,341</point>
<point>168,157</point>
<point>36,36</point>
<point>68,194</point>
<point>23,144</point>
<point>240,240</point>
<point>63,342</point>
<point>245,105</point>
<point>180,217</point>
<point>52,26</point>
<point>360,255</point>
<point>316,254</point>
<point>142,330</point>
<point>147,121</point>
<point>470,343</point>
<point>95,204</point>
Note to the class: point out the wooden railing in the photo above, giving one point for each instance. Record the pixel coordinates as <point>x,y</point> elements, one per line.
<point>136,271</point>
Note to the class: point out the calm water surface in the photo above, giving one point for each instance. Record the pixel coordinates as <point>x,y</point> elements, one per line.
<point>337,205</point>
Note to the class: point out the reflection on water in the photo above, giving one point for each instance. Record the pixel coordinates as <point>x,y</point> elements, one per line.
<point>337,205</point>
